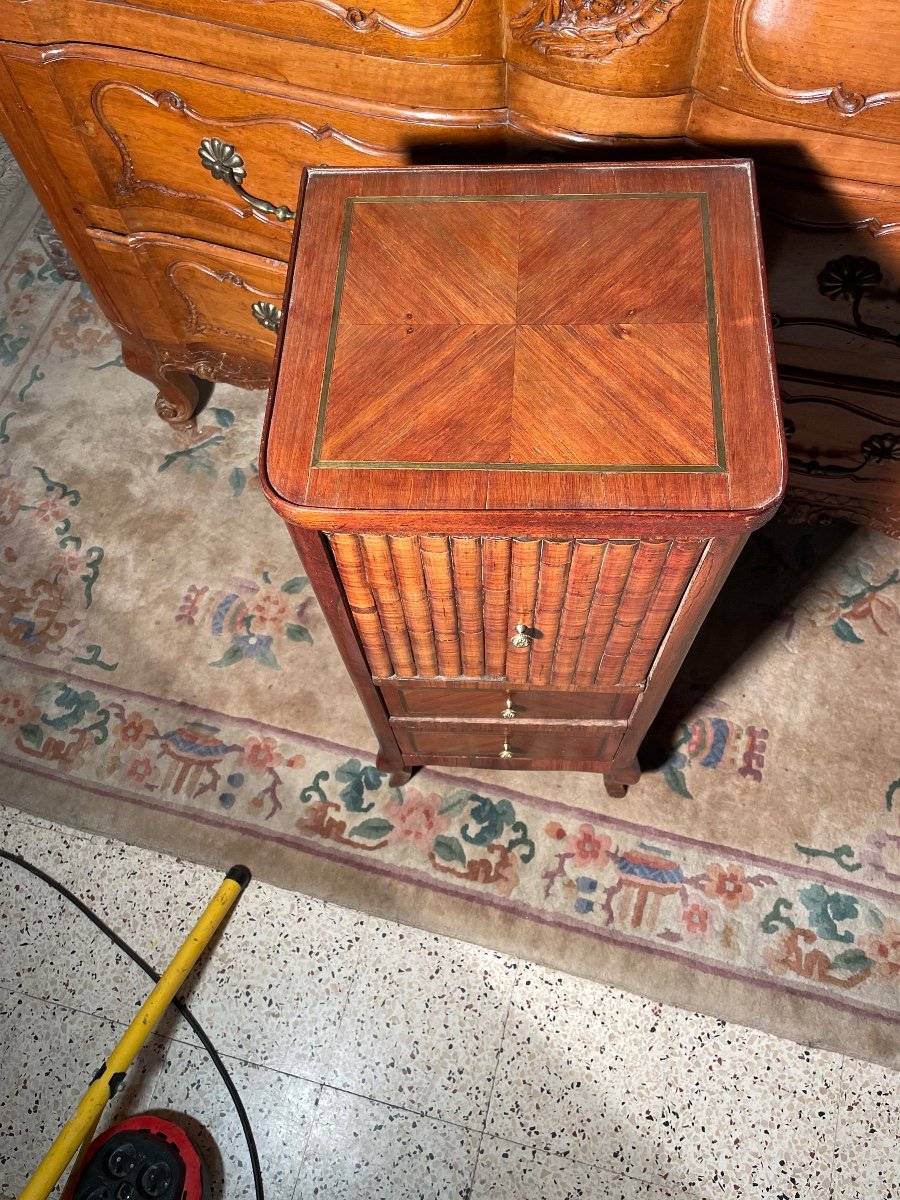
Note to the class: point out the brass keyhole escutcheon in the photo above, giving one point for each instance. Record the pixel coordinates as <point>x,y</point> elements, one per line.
<point>506,752</point>
<point>509,712</point>
<point>521,639</point>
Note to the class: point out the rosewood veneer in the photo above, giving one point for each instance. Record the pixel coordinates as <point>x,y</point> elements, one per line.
<point>522,422</point>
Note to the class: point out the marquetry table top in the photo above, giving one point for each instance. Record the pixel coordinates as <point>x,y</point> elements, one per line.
<point>577,337</point>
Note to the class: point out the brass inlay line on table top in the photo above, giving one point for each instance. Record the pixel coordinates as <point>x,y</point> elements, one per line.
<point>718,467</point>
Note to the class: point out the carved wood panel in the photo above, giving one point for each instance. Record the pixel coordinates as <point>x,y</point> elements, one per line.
<point>844,64</point>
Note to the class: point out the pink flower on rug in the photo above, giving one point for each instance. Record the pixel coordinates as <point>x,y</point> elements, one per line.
<point>135,731</point>
<point>587,846</point>
<point>17,709</point>
<point>728,885</point>
<point>417,818</point>
<point>68,563</point>
<point>53,511</point>
<point>696,919</point>
<point>260,753</point>
<point>884,949</point>
<point>140,770</point>
<point>269,609</point>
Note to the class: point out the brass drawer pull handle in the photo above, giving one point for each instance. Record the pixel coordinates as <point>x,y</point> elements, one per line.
<point>223,162</point>
<point>521,639</point>
<point>267,314</point>
<point>506,752</point>
<point>509,712</point>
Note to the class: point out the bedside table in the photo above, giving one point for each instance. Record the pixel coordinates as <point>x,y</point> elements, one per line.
<point>522,422</point>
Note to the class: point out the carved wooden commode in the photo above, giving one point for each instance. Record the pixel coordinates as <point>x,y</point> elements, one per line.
<point>522,421</point>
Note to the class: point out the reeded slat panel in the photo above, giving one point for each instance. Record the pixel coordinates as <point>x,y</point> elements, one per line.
<point>414,598</point>
<point>348,557</point>
<point>613,576</point>
<point>643,576</point>
<point>466,556</point>
<point>523,577</point>
<point>376,554</point>
<point>554,570</point>
<point>495,554</point>
<point>431,606</point>
<point>680,564</point>
<point>441,595</point>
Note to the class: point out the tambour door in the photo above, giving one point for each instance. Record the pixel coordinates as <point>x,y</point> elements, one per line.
<point>533,611</point>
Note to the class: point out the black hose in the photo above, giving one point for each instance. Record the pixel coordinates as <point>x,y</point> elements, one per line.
<point>182,1008</point>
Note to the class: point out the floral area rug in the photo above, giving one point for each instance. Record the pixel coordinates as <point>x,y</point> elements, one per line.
<point>166,676</point>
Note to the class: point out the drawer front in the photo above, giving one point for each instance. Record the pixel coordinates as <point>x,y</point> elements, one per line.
<point>141,131</point>
<point>510,745</point>
<point>468,702</point>
<point>532,611</point>
<point>196,295</point>
<point>424,29</point>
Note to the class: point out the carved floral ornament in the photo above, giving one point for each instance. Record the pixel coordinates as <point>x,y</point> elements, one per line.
<point>592,29</point>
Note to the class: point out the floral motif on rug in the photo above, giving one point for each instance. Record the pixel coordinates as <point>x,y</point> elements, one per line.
<point>715,907</point>
<point>253,619</point>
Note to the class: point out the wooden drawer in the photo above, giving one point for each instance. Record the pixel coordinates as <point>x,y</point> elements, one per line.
<point>126,130</point>
<point>563,742</point>
<point>445,700</point>
<point>402,28</point>
<point>193,295</point>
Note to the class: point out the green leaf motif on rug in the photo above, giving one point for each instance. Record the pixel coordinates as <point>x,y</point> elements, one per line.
<point>373,829</point>
<point>358,780</point>
<point>776,917</point>
<point>845,631</point>
<point>295,585</point>
<point>32,734</point>
<point>315,788</point>
<point>852,960</point>
<point>842,855</point>
<point>10,347</point>
<point>826,909</point>
<point>449,850</point>
<point>676,781</point>
<point>493,817</point>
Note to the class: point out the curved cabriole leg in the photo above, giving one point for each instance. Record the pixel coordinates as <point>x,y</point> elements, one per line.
<point>617,781</point>
<point>178,391</point>
<point>177,399</point>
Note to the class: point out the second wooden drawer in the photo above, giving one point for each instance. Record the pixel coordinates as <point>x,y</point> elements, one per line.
<point>560,741</point>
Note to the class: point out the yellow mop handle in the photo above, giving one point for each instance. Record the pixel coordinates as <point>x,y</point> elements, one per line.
<point>109,1078</point>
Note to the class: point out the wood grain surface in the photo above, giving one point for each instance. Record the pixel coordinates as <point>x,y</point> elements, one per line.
<point>595,338</point>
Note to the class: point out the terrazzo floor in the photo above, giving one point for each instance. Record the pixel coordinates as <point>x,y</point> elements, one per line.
<point>377,1062</point>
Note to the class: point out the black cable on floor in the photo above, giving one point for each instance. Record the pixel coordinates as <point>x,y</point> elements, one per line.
<point>182,1008</point>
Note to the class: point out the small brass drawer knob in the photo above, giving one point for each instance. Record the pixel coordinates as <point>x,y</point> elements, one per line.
<point>506,752</point>
<point>521,639</point>
<point>509,712</point>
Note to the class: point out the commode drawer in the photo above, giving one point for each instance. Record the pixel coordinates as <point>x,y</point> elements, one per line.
<point>508,743</point>
<point>445,700</point>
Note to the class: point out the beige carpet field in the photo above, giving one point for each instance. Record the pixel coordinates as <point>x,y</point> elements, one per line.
<point>166,676</point>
